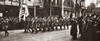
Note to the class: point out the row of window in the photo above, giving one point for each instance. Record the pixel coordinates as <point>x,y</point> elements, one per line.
<point>12,0</point>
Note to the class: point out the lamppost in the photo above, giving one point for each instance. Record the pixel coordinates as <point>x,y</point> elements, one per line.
<point>62,12</point>
<point>34,6</point>
<point>34,10</point>
<point>51,7</point>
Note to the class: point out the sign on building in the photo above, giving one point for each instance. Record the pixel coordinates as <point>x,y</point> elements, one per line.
<point>23,12</point>
<point>1,14</point>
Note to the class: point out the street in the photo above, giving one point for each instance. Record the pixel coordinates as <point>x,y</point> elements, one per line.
<point>18,35</point>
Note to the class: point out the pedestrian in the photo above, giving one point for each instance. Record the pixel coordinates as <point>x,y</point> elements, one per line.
<point>73,32</point>
<point>77,10</point>
<point>80,22</point>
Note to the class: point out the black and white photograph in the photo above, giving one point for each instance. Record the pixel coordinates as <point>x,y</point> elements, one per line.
<point>49,20</point>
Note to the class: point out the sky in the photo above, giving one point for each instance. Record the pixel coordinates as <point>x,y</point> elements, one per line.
<point>88,2</point>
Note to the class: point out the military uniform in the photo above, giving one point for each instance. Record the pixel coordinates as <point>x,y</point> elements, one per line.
<point>5,26</point>
<point>28,24</point>
<point>35,26</point>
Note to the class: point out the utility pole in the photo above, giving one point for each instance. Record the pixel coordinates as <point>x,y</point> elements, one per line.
<point>4,3</point>
<point>51,8</point>
<point>4,7</point>
<point>62,8</point>
<point>34,9</point>
<point>11,2</point>
<point>11,9</point>
<point>19,3</point>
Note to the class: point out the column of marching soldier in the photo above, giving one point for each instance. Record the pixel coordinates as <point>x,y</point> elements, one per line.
<point>33,25</point>
<point>89,26</point>
<point>44,24</point>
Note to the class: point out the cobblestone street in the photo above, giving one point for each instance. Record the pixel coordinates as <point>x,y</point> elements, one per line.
<point>18,35</point>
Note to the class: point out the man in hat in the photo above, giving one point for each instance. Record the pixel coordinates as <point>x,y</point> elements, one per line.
<point>73,32</point>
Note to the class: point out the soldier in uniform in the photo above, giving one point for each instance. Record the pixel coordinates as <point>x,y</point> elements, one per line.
<point>48,24</point>
<point>33,25</point>
<point>61,23</point>
<point>56,24</point>
<point>5,25</point>
<point>22,24</point>
<point>0,24</point>
<point>40,23</point>
<point>52,24</point>
<point>66,23</point>
<point>28,24</point>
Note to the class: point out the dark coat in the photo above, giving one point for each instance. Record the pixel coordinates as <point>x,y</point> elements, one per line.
<point>73,28</point>
<point>5,25</point>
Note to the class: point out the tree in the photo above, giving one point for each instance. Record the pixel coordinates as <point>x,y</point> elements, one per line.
<point>91,7</point>
<point>68,3</point>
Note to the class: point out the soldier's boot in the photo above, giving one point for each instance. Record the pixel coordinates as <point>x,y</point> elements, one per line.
<point>60,27</point>
<point>43,30</point>
<point>32,31</point>
<point>6,33</point>
<point>25,31</point>
<point>39,29</point>
<point>56,28</point>
<point>67,27</point>
<point>64,27</point>
<point>36,31</point>
<point>52,28</point>
<point>48,29</point>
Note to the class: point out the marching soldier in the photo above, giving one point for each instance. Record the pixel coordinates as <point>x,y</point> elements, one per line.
<point>40,23</point>
<point>56,24</point>
<point>0,24</point>
<point>67,23</point>
<point>63,23</point>
<point>60,23</point>
<point>35,26</point>
<point>48,25</point>
<point>28,24</point>
<point>22,24</point>
<point>5,26</point>
<point>52,25</point>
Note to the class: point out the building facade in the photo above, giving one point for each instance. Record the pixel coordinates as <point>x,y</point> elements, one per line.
<point>43,7</point>
<point>10,8</point>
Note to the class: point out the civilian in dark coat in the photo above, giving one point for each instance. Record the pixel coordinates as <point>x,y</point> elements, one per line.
<point>73,32</point>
